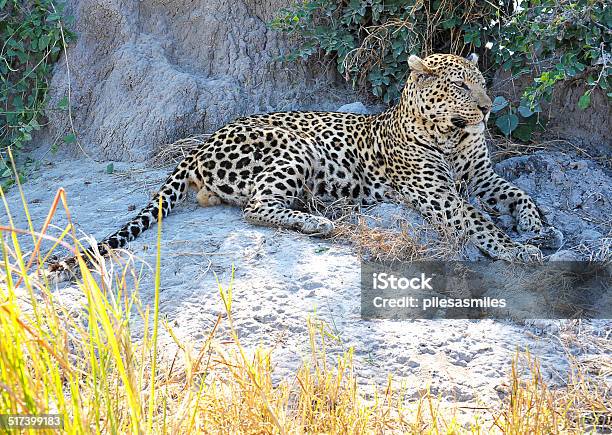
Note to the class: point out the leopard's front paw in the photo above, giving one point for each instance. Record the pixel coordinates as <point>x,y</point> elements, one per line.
<point>317,226</point>
<point>548,237</point>
<point>522,253</point>
<point>528,253</point>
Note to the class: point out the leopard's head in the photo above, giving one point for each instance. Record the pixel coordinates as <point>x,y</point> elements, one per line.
<point>448,90</point>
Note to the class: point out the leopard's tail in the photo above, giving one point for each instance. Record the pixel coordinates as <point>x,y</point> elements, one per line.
<point>169,195</point>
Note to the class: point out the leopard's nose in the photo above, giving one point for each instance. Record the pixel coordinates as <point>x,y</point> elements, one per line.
<point>485,109</point>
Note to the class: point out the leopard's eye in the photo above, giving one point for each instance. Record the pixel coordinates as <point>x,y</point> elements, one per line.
<point>461,84</point>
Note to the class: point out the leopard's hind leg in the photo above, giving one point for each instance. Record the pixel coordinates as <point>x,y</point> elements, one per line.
<point>277,189</point>
<point>274,211</point>
<point>207,198</point>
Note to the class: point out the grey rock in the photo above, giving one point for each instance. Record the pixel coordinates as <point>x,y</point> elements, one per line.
<point>543,326</point>
<point>564,255</point>
<point>407,362</point>
<point>573,194</point>
<point>589,235</point>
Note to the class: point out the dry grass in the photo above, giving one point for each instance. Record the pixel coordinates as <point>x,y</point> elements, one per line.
<point>382,244</point>
<point>84,363</point>
<point>601,253</point>
<point>505,148</point>
<point>588,393</point>
<point>177,151</point>
<point>407,243</point>
<point>532,407</point>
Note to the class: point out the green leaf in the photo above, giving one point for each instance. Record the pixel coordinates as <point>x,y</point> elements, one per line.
<point>63,103</point>
<point>585,100</point>
<point>525,111</point>
<point>43,41</point>
<point>70,138</point>
<point>498,104</point>
<point>34,40</point>
<point>507,123</point>
<point>110,168</point>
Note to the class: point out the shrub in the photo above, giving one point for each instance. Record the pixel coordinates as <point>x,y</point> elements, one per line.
<point>372,39</point>
<point>550,42</point>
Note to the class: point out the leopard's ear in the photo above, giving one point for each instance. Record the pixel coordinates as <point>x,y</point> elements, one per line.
<point>420,71</point>
<point>473,58</point>
<point>418,66</point>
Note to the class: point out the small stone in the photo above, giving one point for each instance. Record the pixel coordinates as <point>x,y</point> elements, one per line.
<point>406,361</point>
<point>501,389</point>
<point>266,318</point>
<point>564,255</point>
<point>356,107</point>
<point>557,177</point>
<point>131,207</point>
<point>580,165</point>
<point>575,199</point>
<point>543,326</point>
<point>589,235</point>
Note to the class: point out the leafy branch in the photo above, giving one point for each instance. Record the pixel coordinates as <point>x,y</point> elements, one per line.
<point>34,34</point>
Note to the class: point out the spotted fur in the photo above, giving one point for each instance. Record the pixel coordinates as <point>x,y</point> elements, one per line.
<point>430,148</point>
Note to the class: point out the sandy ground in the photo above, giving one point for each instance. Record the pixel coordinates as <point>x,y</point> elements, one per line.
<point>282,277</point>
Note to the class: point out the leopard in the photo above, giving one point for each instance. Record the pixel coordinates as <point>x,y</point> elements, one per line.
<point>429,149</point>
